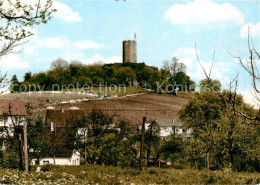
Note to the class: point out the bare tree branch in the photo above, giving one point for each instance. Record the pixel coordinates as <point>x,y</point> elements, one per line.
<point>231,100</point>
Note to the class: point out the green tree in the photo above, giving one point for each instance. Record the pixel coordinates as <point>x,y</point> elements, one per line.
<point>237,139</point>
<point>98,124</point>
<point>27,76</point>
<point>202,115</point>
<point>210,85</point>
<point>183,82</point>
<point>168,149</point>
<point>218,134</point>
<point>82,80</point>
<point>36,140</point>
<point>15,84</point>
<point>126,75</point>
<point>193,150</point>
<point>151,139</point>
<point>97,80</point>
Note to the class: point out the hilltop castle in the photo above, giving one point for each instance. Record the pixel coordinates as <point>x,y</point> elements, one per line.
<point>129,51</point>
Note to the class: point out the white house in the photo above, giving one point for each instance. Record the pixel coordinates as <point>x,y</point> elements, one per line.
<point>168,128</point>
<point>56,124</point>
<point>67,157</point>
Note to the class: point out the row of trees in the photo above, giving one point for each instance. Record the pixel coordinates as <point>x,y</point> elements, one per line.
<point>75,73</point>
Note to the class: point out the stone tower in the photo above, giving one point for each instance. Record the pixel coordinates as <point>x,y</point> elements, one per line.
<point>129,51</point>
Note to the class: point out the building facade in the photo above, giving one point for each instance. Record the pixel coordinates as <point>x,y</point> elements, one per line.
<point>62,158</point>
<point>129,51</point>
<point>12,116</point>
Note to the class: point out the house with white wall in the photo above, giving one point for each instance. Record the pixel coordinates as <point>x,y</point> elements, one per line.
<point>167,128</point>
<point>62,157</point>
<point>12,116</point>
<point>56,123</point>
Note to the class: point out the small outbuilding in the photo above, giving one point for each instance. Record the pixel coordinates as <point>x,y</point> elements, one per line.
<point>63,157</point>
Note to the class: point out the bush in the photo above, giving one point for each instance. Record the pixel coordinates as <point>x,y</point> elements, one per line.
<point>9,159</point>
<point>47,168</point>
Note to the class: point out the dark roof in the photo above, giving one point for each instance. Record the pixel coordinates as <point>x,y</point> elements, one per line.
<point>59,139</point>
<point>12,107</point>
<point>60,117</point>
<point>64,153</point>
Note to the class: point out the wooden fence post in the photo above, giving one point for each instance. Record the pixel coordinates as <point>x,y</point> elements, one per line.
<point>142,145</point>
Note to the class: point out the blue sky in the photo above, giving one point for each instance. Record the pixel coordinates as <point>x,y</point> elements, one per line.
<point>92,31</point>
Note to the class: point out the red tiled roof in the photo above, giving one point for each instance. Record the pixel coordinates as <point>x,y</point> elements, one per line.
<point>12,107</point>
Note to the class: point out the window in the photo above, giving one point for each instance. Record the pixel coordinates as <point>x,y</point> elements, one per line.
<point>45,162</point>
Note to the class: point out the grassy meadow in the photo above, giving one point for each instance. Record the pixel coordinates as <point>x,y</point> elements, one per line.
<point>94,174</point>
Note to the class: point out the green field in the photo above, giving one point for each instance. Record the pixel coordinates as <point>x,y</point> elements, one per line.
<point>94,174</point>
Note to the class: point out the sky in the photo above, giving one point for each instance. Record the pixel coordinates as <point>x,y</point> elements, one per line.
<point>92,31</point>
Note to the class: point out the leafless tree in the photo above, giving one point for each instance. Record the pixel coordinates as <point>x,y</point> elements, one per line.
<point>59,65</point>
<point>174,66</point>
<point>250,65</point>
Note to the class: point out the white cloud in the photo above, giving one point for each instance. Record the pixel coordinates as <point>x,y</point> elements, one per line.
<point>184,51</point>
<point>53,42</point>
<point>186,55</point>
<point>91,59</point>
<point>250,97</point>
<point>97,58</point>
<point>63,42</point>
<point>254,30</point>
<point>64,12</point>
<point>87,44</point>
<point>218,71</point>
<point>204,12</point>
<point>13,61</point>
<point>29,50</point>
<point>113,59</point>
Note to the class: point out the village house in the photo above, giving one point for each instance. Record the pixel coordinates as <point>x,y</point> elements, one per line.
<point>59,153</point>
<point>168,128</point>
<point>59,119</point>
<point>12,116</point>
<point>176,128</point>
<point>62,157</point>
<point>56,122</point>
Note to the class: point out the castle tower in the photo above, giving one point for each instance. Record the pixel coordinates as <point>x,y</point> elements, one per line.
<point>129,51</point>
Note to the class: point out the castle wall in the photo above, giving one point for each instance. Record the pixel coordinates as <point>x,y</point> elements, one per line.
<point>129,51</point>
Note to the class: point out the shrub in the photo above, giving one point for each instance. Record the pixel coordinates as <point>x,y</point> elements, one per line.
<point>9,159</point>
<point>46,168</point>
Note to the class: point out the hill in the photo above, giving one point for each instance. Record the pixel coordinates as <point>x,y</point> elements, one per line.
<point>133,108</point>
